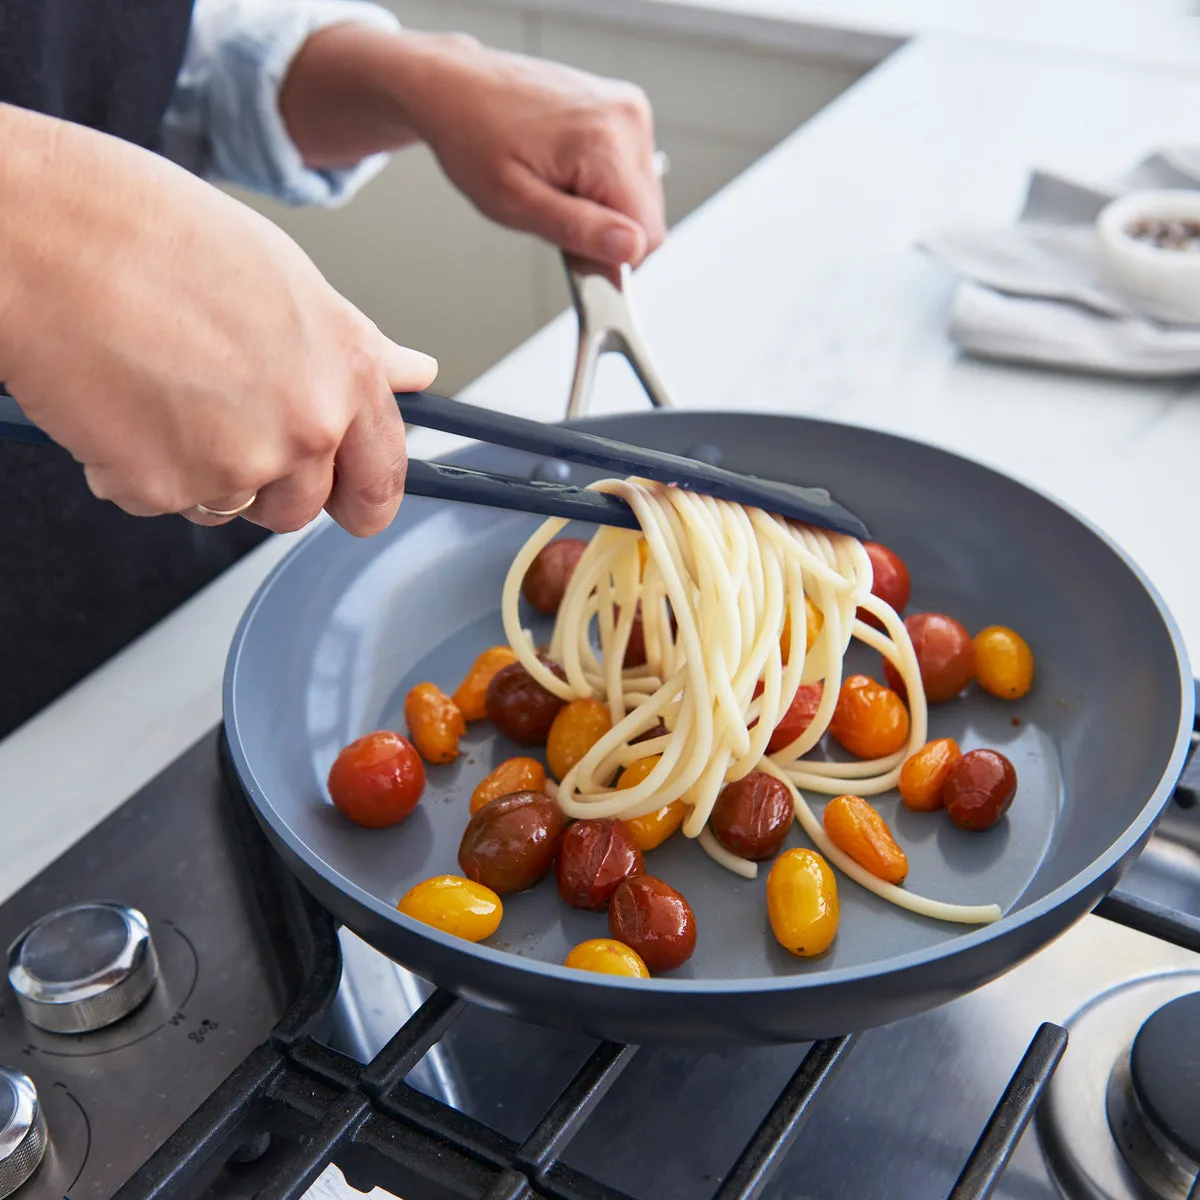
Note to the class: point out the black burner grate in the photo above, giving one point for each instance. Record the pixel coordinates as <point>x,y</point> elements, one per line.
<point>294,1105</point>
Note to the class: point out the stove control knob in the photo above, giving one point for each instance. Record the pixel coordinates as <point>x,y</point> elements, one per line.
<point>83,967</point>
<point>23,1137</point>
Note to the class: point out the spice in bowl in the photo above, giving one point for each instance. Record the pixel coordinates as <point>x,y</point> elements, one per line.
<point>1166,233</point>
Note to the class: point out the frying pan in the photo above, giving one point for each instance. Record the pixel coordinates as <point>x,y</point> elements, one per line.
<point>343,628</point>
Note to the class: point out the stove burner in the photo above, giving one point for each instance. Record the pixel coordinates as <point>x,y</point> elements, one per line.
<point>1154,1100</point>
<point>1107,1135</point>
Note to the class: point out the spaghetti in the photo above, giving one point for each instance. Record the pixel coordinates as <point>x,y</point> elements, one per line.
<point>714,581</point>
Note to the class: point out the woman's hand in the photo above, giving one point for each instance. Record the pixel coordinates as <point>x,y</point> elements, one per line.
<point>183,348</point>
<point>536,146</point>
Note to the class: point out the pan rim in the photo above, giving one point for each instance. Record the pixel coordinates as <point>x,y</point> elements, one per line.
<point>976,938</point>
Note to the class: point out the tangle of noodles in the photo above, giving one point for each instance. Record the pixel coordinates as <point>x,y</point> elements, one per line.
<point>728,575</point>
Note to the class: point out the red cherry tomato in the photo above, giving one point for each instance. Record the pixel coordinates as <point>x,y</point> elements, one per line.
<point>798,717</point>
<point>892,584</point>
<point>945,654</point>
<point>377,780</point>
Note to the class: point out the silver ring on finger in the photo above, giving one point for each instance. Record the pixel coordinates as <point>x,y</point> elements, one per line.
<point>226,514</point>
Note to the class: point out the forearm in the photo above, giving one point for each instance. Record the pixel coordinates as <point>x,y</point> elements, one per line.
<point>354,91</point>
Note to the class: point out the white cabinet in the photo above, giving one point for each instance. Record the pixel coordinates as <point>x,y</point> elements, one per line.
<point>431,272</point>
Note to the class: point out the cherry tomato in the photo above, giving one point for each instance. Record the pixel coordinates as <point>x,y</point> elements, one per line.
<point>802,903</point>
<point>546,580</point>
<point>435,723</point>
<point>377,779</point>
<point>752,816</point>
<point>575,730</point>
<point>799,716</point>
<point>512,775</point>
<point>608,957</point>
<point>858,830</point>
<point>456,906</point>
<point>814,622</point>
<point>891,583</point>
<point>1003,662</point>
<point>595,857</point>
<point>471,694</point>
<point>923,776</point>
<point>979,789</point>
<point>870,720</point>
<point>635,648</point>
<point>520,707</point>
<point>652,829</point>
<point>510,843</point>
<point>655,920</point>
<point>945,654</point>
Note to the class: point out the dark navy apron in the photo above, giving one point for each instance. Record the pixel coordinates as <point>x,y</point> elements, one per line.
<point>79,578</point>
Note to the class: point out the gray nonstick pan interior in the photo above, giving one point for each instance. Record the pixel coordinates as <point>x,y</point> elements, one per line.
<point>343,628</point>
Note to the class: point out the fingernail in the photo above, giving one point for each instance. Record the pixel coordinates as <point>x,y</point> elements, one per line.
<point>620,244</point>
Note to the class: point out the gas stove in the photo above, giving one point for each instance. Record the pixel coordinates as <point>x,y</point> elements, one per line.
<point>182,1020</point>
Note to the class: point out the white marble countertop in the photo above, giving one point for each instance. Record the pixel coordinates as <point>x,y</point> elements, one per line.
<point>1165,33</point>
<point>794,290</point>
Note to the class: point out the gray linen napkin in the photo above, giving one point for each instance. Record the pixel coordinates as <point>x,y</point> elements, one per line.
<point>1035,293</point>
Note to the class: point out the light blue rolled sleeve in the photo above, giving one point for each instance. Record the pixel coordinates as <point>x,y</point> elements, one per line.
<point>223,121</point>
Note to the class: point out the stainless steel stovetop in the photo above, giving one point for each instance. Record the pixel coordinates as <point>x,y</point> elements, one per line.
<point>897,1121</point>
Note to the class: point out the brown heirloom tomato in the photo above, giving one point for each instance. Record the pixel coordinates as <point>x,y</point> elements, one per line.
<point>510,843</point>
<point>979,789</point>
<point>596,856</point>
<point>520,707</point>
<point>655,920</point>
<point>752,816</point>
<point>945,654</point>
<point>377,779</point>
<point>550,572</point>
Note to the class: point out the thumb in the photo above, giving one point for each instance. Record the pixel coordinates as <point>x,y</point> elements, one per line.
<point>406,370</point>
<point>581,227</point>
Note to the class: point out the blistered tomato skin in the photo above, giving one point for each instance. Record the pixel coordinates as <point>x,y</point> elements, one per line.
<point>945,654</point>
<point>435,723</point>
<point>520,707</point>
<point>752,816</point>
<point>652,829</point>
<point>924,775</point>
<point>471,694</point>
<point>575,730</point>
<point>870,720</point>
<point>858,830</point>
<point>655,920</point>
<point>454,905</point>
<point>546,580</point>
<point>891,583</point>
<point>802,903</point>
<point>608,957</point>
<point>377,780</point>
<point>979,789</point>
<point>595,857</point>
<point>510,844</point>
<point>1003,662</point>
<point>512,775</point>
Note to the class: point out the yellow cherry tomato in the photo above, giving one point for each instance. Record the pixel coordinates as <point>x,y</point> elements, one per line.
<point>655,827</point>
<point>1003,662</point>
<point>802,903</point>
<point>454,905</point>
<point>576,729</point>
<point>814,622</point>
<point>609,958</point>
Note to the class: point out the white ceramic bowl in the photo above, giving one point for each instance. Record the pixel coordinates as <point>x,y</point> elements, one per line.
<point>1159,282</point>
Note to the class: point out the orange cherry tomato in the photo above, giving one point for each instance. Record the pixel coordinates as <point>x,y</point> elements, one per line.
<point>891,582</point>
<point>471,694</point>
<point>1003,662</point>
<point>814,622</point>
<point>655,827</point>
<point>377,780</point>
<point>945,654</point>
<point>924,774</point>
<point>578,726</point>
<point>870,720</point>
<point>435,723</point>
<point>858,830</point>
<point>512,775</point>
